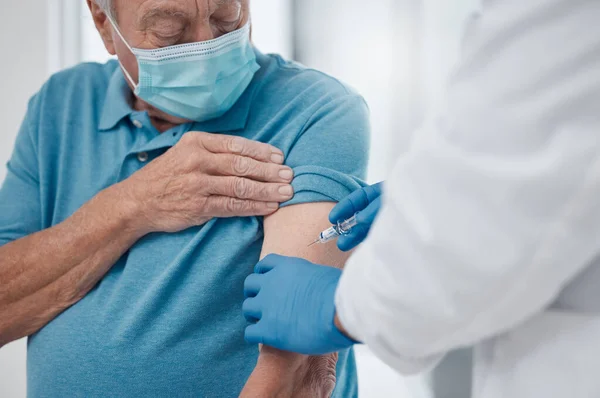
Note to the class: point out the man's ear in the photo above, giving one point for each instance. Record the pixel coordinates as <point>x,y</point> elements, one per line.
<point>103,26</point>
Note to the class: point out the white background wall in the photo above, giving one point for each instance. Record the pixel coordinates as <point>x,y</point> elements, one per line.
<point>22,71</point>
<point>395,52</point>
<point>23,66</point>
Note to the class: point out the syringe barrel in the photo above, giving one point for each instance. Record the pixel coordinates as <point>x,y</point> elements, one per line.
<point>344,227</point>
<point>329,235</point>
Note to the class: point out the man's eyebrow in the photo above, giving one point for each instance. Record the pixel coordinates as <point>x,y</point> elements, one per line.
<point>152,16</point>
<point>219,3</point>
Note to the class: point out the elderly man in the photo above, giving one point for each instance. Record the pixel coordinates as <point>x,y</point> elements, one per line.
<point>141,193</point>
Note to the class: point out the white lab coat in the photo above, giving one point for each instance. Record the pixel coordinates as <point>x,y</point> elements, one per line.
<point>490,230</point>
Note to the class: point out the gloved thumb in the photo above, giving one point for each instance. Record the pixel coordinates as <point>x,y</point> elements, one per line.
<point>360,232</point>
<point>348,242</point>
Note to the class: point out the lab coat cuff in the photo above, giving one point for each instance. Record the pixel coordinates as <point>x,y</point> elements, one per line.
<point>353,315</point>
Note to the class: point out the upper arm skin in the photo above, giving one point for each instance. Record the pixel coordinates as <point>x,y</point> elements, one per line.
<point>290,230</point>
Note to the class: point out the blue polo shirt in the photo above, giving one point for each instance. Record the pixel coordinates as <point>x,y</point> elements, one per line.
<point>166,320</point>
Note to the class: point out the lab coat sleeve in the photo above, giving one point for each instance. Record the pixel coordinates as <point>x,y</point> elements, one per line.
<point>496,207</point>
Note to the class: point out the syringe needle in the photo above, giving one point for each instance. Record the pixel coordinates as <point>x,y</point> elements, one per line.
<point>342,228</point>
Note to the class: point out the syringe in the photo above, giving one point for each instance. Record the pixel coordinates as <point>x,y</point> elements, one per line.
<point>342,228</point>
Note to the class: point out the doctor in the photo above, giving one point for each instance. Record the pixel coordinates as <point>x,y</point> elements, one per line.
<point>489,232</point>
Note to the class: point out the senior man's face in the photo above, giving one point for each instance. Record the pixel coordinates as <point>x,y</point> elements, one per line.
<point>151,24</point>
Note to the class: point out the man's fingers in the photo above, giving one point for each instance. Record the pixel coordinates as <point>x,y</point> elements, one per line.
<point>252,285</point>
<point>251,310</point>
<point>216,143</point>
<point>227,207</point>
<point>244,188</point>
<point>242,166</point>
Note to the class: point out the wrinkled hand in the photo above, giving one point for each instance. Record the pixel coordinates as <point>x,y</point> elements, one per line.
<point>366,202</point>
<point>291,303</point>
<point>206,176</point>
<point>281,374</point>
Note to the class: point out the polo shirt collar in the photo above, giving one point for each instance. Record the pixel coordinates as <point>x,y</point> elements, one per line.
<point>117,105</point>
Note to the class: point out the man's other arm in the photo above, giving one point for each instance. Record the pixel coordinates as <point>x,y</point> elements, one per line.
<point>42,273</point>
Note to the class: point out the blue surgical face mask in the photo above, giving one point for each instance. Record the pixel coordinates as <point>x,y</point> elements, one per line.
<point>196,81</point>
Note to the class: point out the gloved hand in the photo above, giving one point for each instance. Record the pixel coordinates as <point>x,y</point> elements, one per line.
<point>291,303</point>
<point>366,202</point>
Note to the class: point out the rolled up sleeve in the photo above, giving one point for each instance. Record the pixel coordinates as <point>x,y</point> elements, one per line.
<point>330,155</point>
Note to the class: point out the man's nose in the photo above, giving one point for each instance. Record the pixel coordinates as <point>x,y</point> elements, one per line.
<point>204,32</point>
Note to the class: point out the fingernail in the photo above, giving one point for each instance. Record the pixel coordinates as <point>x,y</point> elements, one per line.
<point>273,205</point>
<point>286,190</point>
<point>277,158</point>
<point>286,174</point>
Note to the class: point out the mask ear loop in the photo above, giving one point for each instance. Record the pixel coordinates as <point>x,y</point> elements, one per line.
<point>127,75</point>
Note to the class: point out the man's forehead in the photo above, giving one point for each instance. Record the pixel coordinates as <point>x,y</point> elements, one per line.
<point>157,7</point>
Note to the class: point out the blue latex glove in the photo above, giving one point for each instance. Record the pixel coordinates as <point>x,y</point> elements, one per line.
<point>366,202</point>
<point>291,303</point>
